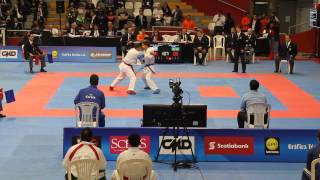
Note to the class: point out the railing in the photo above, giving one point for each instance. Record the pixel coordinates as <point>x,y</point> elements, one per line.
<point>290,28</point>
<point>232,5</point>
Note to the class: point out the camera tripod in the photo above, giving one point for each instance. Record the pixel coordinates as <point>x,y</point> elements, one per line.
<point>176,121</point>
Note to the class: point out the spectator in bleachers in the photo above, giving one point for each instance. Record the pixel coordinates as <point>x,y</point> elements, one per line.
<point>249,98</point>
<point>156,37</point>
<point>274,18</point>
<point>43,8</point>
<point>85,149</point>
<point>219,19</point>
<point>71,13</point>
<point>255,24</point>
<point>313,153</point>
<point>122,17</point>
<point>177,16</point>
<point>245,22</point>
<point>200,44</point>
<point>133,152</point>
<point>90,5</point>
<point>17,12</point>
<point>74,3</point>
<point>188,23</point>
<point>119,4</point>
<point>111,31</point>
<point>147,4</point>
<point>93,19</point>
<point>110,3</point>
<point>16,24</point>
<point>41,20</point>
<point>141,20</point>
<point>127,40</point>
<point>111,16</point>
<point>93,94</point>
<point>229,23</point>
<point>157,17</point>
<point>167,14</point>
<point>80,20</point>
<point>5,5</point>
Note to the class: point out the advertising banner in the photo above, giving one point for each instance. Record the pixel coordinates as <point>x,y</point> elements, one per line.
<point>64,53</point>
<point>248,145</point>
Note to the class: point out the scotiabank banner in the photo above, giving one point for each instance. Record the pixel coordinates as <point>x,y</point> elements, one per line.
<point>230,145</point>
<point>64,53</point>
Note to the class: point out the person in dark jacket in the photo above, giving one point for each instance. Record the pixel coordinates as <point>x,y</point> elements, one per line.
<point>228,24</point>
<point>239,46</point>
<point>141,20</point>
<point>31,51</point>
<point>200,44</point>
<point>288,51</point>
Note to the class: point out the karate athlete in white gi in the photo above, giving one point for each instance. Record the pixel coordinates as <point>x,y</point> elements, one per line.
<point>149,68</point>
<point>133,57</point>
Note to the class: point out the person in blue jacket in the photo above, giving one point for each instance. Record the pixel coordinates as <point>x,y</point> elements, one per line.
<point>93,94</point>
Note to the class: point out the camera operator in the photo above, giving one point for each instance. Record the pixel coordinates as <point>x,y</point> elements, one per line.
<point>250,45</point>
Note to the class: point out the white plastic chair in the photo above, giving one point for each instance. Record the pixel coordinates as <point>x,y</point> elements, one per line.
<point>128,5</point>
<point>87,169</point>
<point>258,111</point>
<point>134,169</point>
<point>313,168</point>
<point>210,47</point>
<point>192,37</point>
<point>147,12</point>
<point>218,43</point>
<point>85,115</point>
<point>284,61</point>
<point>156,4</point>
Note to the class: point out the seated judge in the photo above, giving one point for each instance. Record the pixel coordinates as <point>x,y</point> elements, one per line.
<point>249,98</point>
<point>184,36</point>
<point>200,44</point>
<point>110,31</point>
<point>73,31</point>
<point>250,45</point>
<point>32,51</point>
<point>156,37</point>
<point>288,51</point>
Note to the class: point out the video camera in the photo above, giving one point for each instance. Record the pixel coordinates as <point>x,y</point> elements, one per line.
<point>176,89</point>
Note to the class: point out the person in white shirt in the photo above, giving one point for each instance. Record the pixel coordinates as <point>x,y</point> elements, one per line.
<point>219,19</point>
<point>157,16</point>
<point>133,152</point>
<point>133,57</point>
<point>85,150</point>
<point>149,67</point>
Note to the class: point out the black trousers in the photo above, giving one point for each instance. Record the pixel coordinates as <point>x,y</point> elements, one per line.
<point>238,54</point>
<point>288,58</point>
<point>42,61</point>
<point>243,117</point>
<point>197,53</point>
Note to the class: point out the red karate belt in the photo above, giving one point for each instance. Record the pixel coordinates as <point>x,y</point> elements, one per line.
<point>36,60</point>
